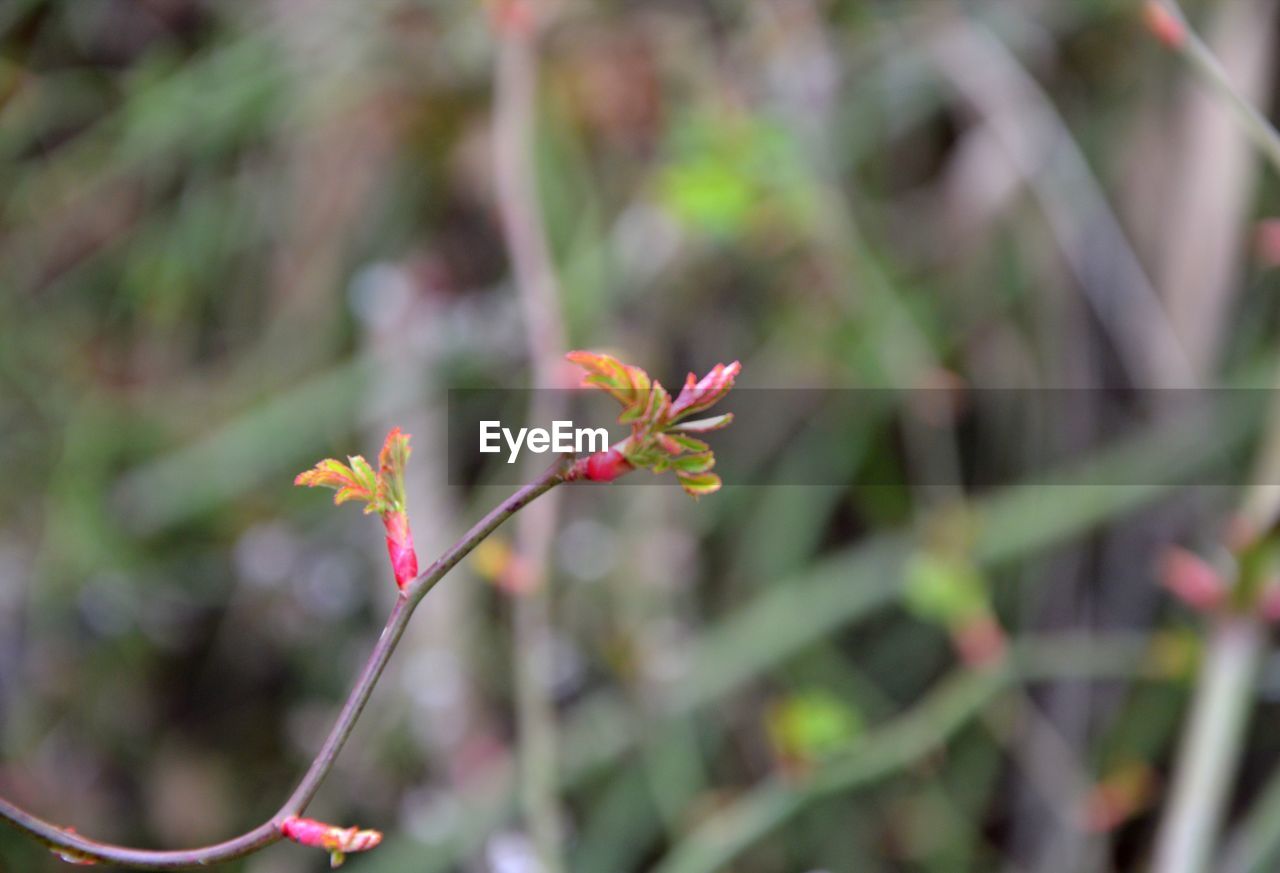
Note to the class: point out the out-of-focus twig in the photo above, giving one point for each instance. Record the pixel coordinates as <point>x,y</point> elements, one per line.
<point>1092,241</point>
<point>1019,119</point>
<point>1170,25</point>
<point>1166,20</point>
<point>525,235</point>
<point>1211,749</point>
<point>1210,752</point>
<point>1193,179</point>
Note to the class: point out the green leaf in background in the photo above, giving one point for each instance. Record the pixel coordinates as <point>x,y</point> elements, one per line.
<point>811,725</point>
<point>726,171</point>
<point>944,590</point>
<point>708,195</point>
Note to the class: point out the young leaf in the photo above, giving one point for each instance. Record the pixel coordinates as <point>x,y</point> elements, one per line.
<point>685,443</point>
<point>700,463</point>
<point>699,484</point>
<point>944,590</point>
<point>338,476</point>
<point>630,386</point>
<point>704,425</point>
<point>700,394</point>
<point>368,482</point>
<point>807,727</point>
<point>657,442</point>
<point>382,491</point>
<point>667,445</point>
<point>392,461</point>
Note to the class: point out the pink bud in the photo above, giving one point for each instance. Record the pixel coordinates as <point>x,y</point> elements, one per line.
<point>606,466</point>
<point>699,394</point>
<point>1191,579</point>
<point>513,16</point>
<point>1164,24</point>
<point>1269,602</point>
<point>979,641</point>
<point>337,841</point>
<point>1267,242</point>
<point>1120,796</point>
<point>404,561</point>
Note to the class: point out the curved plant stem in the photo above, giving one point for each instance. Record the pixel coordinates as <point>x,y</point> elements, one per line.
<point>74,847</point>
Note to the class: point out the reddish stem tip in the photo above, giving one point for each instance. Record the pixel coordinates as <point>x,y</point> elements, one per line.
<point>404,560</point>
<point>1165,24</point>
<point>604,466</point>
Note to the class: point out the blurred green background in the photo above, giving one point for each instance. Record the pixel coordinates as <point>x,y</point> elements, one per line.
<point>236,237</point>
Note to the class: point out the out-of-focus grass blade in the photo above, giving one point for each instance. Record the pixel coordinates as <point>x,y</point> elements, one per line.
<point>286,432</point>
<point>784,619</point>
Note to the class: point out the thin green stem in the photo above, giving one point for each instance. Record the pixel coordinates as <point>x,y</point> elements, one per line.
<point>1211,747</point>
<point>1203,62</point>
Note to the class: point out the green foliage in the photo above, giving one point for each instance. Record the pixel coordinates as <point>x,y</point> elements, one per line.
<point>198,201</point>
<point>729,171</point>
<point>811,725</point>
<point>381,491</point>
<point>944,590</point>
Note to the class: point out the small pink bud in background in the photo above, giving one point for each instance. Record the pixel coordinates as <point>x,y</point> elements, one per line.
<point>519,576</point>
<point>979,641</point>
<point>513,16</point>
<point>404,560</point>
<point>1269,602</point>
<point>1167,26</point>
<point>1192,579</point>
<point>495,561</point>
<point>1266,242</point>
<point>1118,797</point>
